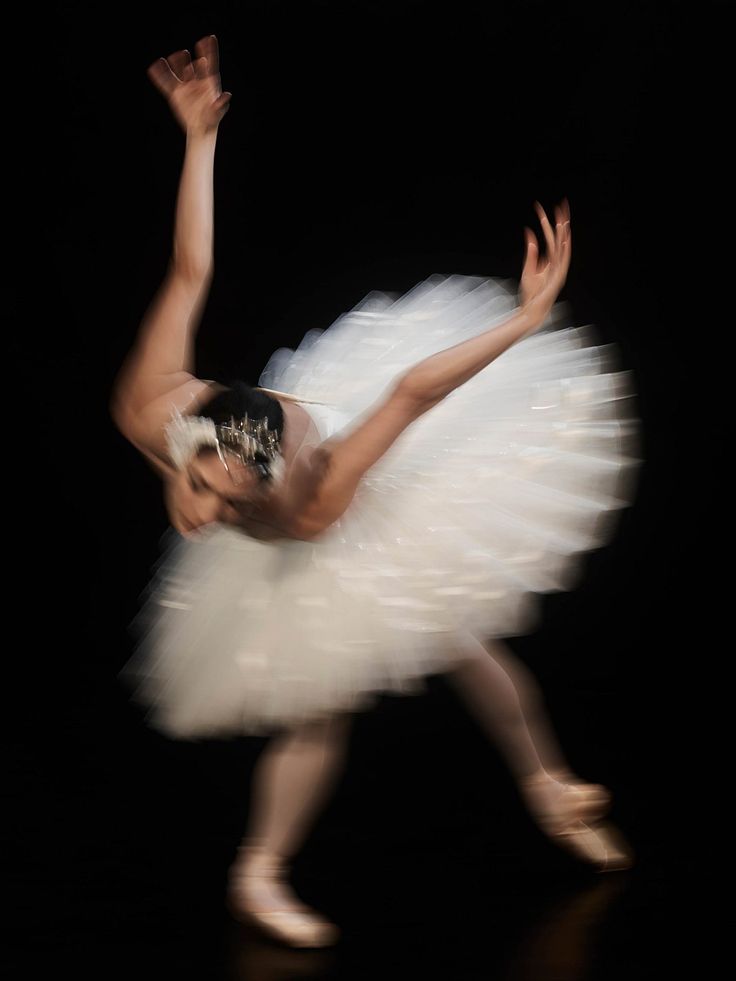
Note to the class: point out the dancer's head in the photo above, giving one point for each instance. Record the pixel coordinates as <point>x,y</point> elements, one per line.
<point>214,484</point>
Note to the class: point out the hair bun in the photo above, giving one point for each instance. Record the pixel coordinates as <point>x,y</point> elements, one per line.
<point>240,398</point>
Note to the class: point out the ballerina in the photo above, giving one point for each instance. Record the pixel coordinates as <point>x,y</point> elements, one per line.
<point>340,539</point>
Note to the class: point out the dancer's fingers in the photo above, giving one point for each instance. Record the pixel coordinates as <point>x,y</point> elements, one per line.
<point>201,69</point>
<point>562,227</point>
<point>563,261</point>
<point>532,251</point>
<point>181,64</point>
<point>565,209</point>
<point>559,228</point>
<point>207,47</point>
<point>162,77</point>
<point>546,228</point>
<point>566,228</point>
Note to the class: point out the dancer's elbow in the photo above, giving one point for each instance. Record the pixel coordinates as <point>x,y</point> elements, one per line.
<point>196,269</point>
<point>414,391</point>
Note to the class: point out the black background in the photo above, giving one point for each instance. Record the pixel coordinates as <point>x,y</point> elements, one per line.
<point>367,146</point>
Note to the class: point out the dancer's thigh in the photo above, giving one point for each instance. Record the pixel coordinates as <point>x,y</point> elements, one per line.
<point>326,729</point>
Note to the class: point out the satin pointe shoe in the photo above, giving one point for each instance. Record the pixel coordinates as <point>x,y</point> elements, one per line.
<point>570,815</point>
<point>599,843</point>
<point>595,799</point>
<point>258,894</point>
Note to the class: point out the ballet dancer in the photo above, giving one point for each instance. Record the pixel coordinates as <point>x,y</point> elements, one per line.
<point>282,472</point>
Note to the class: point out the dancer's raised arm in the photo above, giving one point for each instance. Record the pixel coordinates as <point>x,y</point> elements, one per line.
<point>337,465</point>
<point>438,375</point>
<point>159,370</point>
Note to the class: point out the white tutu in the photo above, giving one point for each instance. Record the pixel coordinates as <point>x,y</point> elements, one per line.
<point>483,503</point>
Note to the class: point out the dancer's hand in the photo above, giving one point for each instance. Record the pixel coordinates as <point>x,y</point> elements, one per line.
<point>192,88</point>
<point>541,281</point>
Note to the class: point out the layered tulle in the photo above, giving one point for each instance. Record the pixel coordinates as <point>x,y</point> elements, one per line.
<point>485,502</point>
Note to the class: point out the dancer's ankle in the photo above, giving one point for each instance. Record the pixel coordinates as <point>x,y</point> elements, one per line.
<point>562,774</point>
<point>537,776</point>
<point>255,856</point>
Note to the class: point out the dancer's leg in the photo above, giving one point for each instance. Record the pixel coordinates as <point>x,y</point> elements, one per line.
<point>505,698</point>
<point>293,778</point>
<point>292,781</point>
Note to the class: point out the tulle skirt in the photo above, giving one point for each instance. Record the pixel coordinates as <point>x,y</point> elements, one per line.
<point>485,502</point>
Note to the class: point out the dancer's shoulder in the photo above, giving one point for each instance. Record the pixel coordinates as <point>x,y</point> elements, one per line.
<point>145,427</point>
<point>325,480</point>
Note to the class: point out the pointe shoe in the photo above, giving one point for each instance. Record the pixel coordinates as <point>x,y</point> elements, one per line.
<point>595,799</point>
<point>600,844</point>
<point>259,894</point>
<point>570,815</point>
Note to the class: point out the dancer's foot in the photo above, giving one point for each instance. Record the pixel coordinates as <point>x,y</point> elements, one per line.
<point>594,797</point>
<point>258,892</point>
<point>569,813</point>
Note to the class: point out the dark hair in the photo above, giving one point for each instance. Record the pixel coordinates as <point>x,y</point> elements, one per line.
<point>238,398</point>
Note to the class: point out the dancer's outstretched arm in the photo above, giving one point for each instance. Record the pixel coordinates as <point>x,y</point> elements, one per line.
<point>335,467</point>
<point>159,369</point>
<point>438,375</point>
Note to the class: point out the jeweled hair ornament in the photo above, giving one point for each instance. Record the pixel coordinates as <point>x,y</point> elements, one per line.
<point>250,440</point>
<point>245,438</point>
